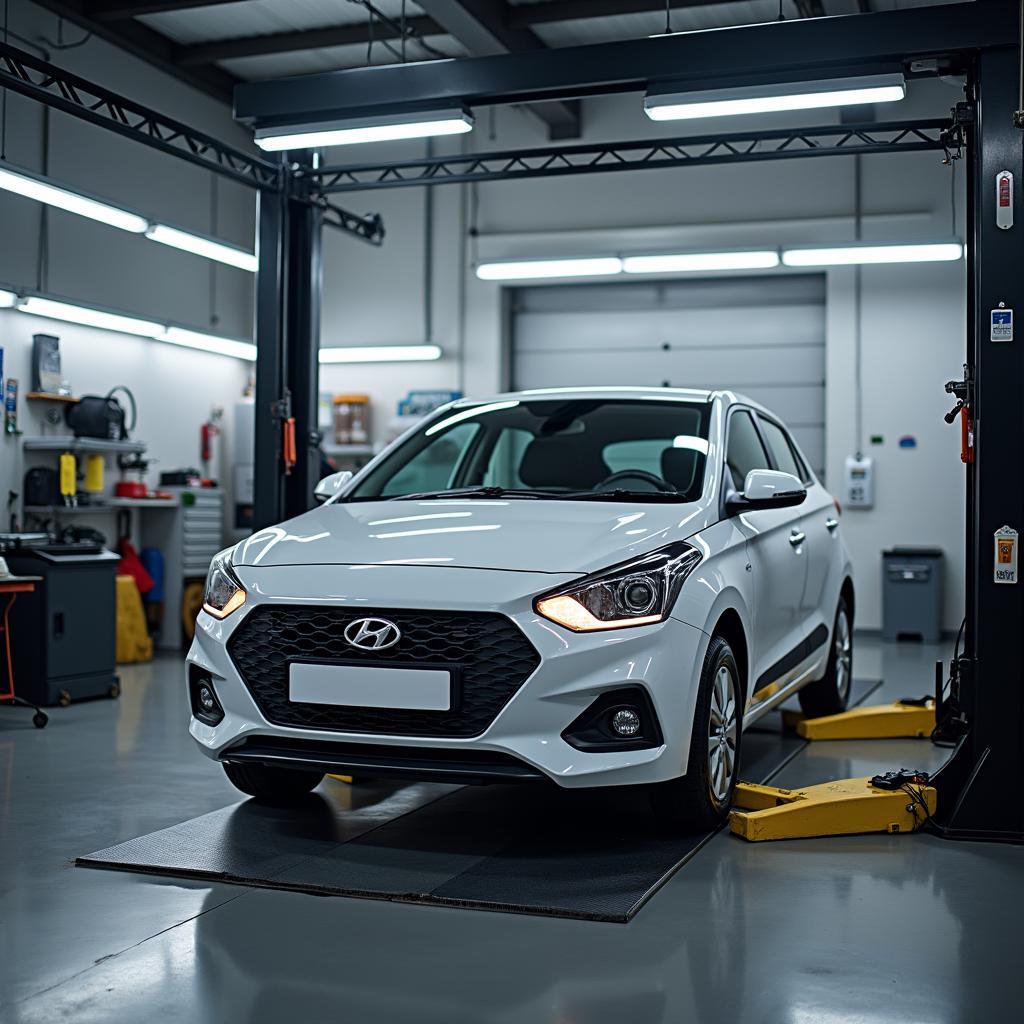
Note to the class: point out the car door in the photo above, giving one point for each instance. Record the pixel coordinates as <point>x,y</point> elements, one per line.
<point>818,521</point>
<point>775,558</point>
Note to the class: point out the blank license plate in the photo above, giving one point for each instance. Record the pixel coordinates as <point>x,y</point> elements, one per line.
<point>355,686</point>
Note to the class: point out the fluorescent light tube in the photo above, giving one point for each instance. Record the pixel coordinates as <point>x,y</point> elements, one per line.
<point>31,186</point>
<point>380,354</point>
<point>697,261</point>
<point>76,314</point>
<point>518,270</point>
<point>420,125</point>
<point>848,255</point>
<point>764,99</point>
<point>208,343</point>
<point>7,299</point>
<point>203,246</point>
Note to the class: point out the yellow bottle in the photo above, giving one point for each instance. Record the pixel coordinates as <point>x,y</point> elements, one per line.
<point>68,468</point>
<point>94,474</point>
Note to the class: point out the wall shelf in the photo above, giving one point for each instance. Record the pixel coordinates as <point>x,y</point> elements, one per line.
<point>85,445</point>
<point>355,450</point>
<point>46,396</point>
<point>99,507</point>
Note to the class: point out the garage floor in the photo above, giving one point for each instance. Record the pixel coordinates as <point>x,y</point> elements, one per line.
<point>866,929</point>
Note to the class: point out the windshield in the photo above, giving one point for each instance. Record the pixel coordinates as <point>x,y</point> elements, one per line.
<point>566,448</point>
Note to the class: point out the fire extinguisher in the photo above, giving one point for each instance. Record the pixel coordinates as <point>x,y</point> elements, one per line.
<point>207,432</point>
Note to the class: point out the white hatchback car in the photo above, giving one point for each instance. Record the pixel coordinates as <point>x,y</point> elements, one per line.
<point>594,586</point>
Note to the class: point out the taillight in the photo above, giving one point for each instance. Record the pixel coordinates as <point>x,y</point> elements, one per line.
<point>839,507</point>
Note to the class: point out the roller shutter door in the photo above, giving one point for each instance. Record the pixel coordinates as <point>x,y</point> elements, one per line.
<point>762,336</point>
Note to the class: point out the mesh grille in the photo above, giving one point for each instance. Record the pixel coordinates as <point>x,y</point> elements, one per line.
<point>490,656</point>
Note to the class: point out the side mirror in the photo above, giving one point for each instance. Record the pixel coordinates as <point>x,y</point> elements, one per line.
<point>330,485</point>
<point>766,488</point>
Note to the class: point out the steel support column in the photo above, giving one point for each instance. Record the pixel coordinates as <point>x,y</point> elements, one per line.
<point>977,786</point>
<point>268,505</point>
<point>288,291</point>
<point>304,285</point>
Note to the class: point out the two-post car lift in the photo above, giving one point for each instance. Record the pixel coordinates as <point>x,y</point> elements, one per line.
<point>977,40</point>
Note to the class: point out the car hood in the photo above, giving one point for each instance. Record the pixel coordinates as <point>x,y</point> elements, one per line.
<point>518,534</point>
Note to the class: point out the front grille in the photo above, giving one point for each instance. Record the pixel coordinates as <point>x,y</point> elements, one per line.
<point>488,655</point>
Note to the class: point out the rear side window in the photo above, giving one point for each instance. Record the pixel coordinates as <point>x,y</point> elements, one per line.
<point>782,449</point>
<point>744,451</point>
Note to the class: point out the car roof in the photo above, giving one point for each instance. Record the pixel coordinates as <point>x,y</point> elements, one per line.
<point>649,393</point>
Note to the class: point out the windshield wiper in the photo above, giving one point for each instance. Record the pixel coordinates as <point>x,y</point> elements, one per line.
<point>623,494</point>
<point>476,492</point>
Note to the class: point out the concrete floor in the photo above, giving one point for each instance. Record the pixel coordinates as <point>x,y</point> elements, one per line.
<point>858,930</point>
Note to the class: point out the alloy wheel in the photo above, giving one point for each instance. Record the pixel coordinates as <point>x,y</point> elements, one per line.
<point>842,646</point>
<point>723,731</point>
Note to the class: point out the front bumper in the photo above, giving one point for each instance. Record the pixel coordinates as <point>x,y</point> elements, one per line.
<point>524,739</point>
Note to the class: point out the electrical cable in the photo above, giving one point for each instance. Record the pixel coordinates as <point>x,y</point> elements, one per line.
<point>60,44</point>
<point>3,104</point>
<point>668,17</point>
<point>857,315</point>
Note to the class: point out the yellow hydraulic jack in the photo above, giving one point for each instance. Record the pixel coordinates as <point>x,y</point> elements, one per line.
<point>911,719</point>
<point>894,802</point>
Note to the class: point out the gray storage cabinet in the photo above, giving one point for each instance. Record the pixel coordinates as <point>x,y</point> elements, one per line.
<point>65,633</point>
<point>912,594</point>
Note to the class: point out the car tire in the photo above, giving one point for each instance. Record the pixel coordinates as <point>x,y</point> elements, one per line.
<point>277,787</point>
<point>699,801</point>
<point>831,694</point>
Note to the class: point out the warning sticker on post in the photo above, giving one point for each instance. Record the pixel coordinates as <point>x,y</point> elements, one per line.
<point>1006,556</point>
<point>1001,326</point>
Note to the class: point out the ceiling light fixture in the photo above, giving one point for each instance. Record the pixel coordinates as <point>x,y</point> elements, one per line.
<point>382,128</point>
<point>123,323</point>
<point>32,186</point>
<point>670,104</point>
<point>380,354</point>
<point>202,245</point>
<point>686,263</point>
<point>209,343</point>
<point>852,255</point>
<point>90,317</point>
<point>524,270</point>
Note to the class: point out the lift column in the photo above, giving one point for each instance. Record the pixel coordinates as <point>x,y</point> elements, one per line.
<point>977,790</point>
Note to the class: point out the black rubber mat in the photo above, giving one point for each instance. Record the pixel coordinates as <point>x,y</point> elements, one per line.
<point>531,849</point>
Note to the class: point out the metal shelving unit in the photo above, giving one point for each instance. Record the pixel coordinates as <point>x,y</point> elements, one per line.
<point>84,445</point>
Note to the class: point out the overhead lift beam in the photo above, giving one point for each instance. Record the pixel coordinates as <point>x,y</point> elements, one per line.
<point>852,44</point>
<point>744,147</point>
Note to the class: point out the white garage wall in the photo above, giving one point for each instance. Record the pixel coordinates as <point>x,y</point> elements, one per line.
<point>914,316</point>
<point>98,264</point>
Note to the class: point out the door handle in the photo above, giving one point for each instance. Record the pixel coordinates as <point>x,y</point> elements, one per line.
<point>831,525</point>
<point>796,539</point>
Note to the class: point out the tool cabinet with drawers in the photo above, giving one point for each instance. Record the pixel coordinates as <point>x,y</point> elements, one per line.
<point>189,538</point>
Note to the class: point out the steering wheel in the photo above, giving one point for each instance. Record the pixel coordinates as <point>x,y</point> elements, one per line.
<point>635,474</point>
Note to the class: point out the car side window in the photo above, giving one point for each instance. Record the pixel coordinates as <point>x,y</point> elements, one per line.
<point>782,449</point>
<point>744,450</point>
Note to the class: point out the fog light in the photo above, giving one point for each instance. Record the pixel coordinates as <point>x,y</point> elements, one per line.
<point>203,697</point>
<point>626,722</point>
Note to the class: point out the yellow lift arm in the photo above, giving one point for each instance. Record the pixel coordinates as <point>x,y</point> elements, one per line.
<point>845,807</point>
<point>905,719</point>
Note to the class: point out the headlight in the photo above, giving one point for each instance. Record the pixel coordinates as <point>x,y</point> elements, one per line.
<point>635,593</point>
<point>224,594</point>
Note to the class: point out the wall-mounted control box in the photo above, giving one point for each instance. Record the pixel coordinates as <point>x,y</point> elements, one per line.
<point>859,481</point>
